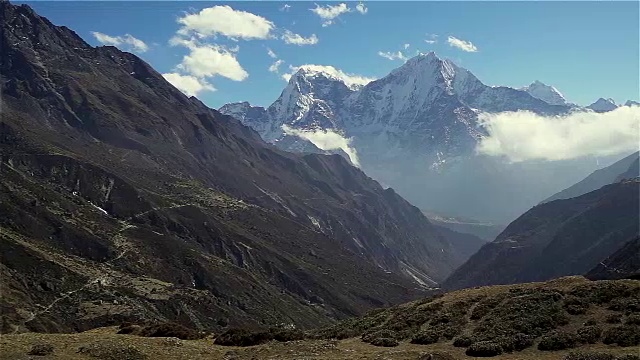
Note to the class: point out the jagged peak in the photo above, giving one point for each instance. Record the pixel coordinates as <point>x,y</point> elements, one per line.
<point>544,92</point>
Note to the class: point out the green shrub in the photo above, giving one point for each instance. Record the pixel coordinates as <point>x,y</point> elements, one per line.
<point>627,304</point>
<point>485,306</point>
<point>463,341</point>
<point>41,350</point>
<point>575,305</point>
<point>613,319</point>
<point>385,342</point>
<point>628,357</point>
<point>517,342</point>
<point>633,319</point>
<point>531,313</point>
<point>426,337</point>
<point>284,335</point>
<point>375,334</point>
<point>623,335</point>
<point>589,334</point>
<point>603,292</point>
<point>557,340</point>
<point>484,349</point>
<point>243,337</point>
<point>169,330</point>
<point>589,356</point>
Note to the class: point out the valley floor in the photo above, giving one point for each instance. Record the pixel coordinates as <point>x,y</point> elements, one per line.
<point>105,344</point>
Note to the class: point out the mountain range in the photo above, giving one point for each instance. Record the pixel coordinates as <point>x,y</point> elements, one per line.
<point>417,130</point>
<point>125,200</point>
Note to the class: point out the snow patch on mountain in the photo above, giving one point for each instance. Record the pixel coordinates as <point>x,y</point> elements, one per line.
<point>546,93</point>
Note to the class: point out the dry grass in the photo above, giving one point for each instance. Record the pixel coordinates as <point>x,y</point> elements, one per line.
<point>67,345</point>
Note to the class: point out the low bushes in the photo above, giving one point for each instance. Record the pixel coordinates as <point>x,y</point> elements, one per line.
<point>633,319</point>
<point>598,356</point>
<point>613,319</point>
<point>169,330</point>
<point>517,342</point>
<point>589,356</point>
<point>378,334</point>
<point>622,335</point>
<point>385,342</point>
<point>244,337</point>
<point>41,350</point>
<point>426,337</point>
<point>557,340</point>
<point>484,349</point>
<point>463,341</point>
<point>589,334</point>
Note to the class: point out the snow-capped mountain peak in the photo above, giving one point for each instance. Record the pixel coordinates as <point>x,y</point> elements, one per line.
<point>546,93</point>
<point>603,105</point>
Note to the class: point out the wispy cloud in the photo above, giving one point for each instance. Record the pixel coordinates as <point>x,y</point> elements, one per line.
<point>398,55</point>
<point>296,39</point>
<point>224,20</point>
<point>285,7</point>
<point>329,13</point>
<point>271,54</point>
<point>275,67</point>
<point>190,85</point>
<point>326,140</point>
<point>523,135</point>
<point>127,41</point>
<point>461,44</point>
<point>431,39</point>
<point>361,8</point>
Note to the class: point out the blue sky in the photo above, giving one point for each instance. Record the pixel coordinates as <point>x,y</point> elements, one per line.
<point>585,49</point>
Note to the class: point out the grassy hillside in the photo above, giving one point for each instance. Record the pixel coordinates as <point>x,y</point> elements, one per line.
<point>569,318</point>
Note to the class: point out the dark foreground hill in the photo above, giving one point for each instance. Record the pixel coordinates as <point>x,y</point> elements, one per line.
<point>123,199</point>
<point>624,263</point>
<point>558,238</point>
<point>564,319</point>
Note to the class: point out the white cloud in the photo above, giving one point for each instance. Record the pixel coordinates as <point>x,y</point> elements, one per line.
<point>330,12</point>
<point>212,60</point>
<point>127,41</point>
<point>285,7</point>
<point>190,85</point>
<point>392,55</point>
<point>523,135</point>
<point>361,8</point>
<point>296,39</point>
<point>350,80</point>
<point>275,67</point>
<point>271,54</point>
<point>326,140</point>
<point>406,46</point>
<point>461,44</point>
<point>431,39</point>
<point>226,21</point>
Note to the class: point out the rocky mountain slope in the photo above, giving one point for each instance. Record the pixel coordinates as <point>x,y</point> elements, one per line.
<point>417,129</point>
<point>624,263</point>
<point>626,168</point>
<point>124,199</point>
<point>558,238</point>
